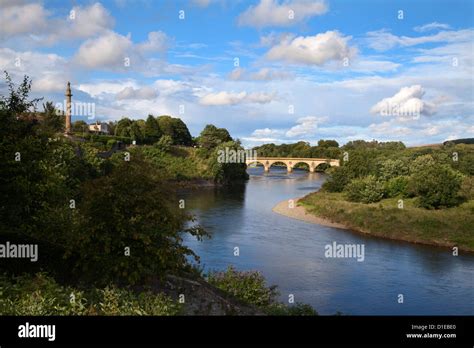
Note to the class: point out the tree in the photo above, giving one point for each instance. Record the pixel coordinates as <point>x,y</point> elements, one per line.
<point>80,127</point>
<point>211,137</point>
<point>436,186</point>
<point>328,143</point>
<point>176,129</point>
<point>364,190</point>
<point>131,226</point>
<point>52,121</point>
<point>152,130</point>
<point>123,127</point>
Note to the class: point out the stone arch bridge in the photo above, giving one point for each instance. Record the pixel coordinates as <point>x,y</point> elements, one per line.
<point>291,162</point>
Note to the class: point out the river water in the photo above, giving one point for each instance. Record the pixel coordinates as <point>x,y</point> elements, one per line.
<point>291,254</point>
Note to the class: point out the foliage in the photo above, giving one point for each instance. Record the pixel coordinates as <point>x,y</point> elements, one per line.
<point>250,287</point>
<point>152,130</point>
<point>225,172</point>
<point>41,295</point>
<point>176,129</point>
<point>211,137</point>
<point>364,190</point>
<point>436,186</point>
<point>396,187</point>
<point>53,122</point>
<point>391,168</point>
<point>165,143</point>
<point>129,208</point>
<point>467,188</point>
<point>447,227</point>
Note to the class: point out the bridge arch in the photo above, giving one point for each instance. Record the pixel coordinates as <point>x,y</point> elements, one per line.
<point>290,163</point>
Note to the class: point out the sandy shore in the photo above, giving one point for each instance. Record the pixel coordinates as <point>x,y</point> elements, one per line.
<point>299,213</point>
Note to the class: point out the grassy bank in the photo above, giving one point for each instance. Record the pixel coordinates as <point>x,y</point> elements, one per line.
<point>444,227</point>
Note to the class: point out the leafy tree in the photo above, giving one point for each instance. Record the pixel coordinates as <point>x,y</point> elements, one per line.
<point>123,128</point>
<point>80,127</point>
<point>396,186</point>
<point>328,143</point>
<point>52,120</point>
<point>165,143</point>
<point>133,208</point>
<point>152,130</point>
<point>176,129</point>
<point>436,186</point>
<point>211,137</point>
<point>364,190</point>
<point>392,168</point>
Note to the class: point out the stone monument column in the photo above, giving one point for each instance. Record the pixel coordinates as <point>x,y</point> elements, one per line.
<point>68,109</point>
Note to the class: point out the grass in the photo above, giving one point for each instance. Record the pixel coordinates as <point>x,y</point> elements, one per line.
<point>444,227</point>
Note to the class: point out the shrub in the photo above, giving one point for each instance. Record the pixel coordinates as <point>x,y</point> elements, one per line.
<point>396,187</point>
<point>41,295</point>
<point>250,288</point>
<point>467,188</point>
<point>392,168</point>
<point>338,179</point>
<point>364,190</point>
<point>436,186</point>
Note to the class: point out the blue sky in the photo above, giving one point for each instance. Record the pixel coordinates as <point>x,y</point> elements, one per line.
<point>268,70</point>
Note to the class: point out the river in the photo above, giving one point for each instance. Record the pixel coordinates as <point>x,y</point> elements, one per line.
<point>291,254</point>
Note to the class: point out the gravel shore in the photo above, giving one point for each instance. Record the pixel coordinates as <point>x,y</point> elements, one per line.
<point>299,213</point>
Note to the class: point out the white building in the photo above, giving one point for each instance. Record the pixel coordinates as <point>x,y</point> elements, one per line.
<point>99,128</point>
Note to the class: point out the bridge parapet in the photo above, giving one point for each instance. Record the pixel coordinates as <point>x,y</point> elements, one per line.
<point>290,162</point>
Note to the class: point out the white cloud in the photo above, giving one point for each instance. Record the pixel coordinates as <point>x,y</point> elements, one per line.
<point>23,19</point>
<point>313,50</point>
<point>231,98</point>
<point>431,26</point>
<point>157,41</point>
<point>306,126</point>
<point>267,132</point>
<point>382,40</point>
<point>276,13</point>
<point>263,74</point>
<point>37,24</point>
<point>107,51</point>
<point>84,22</point>
<point>407,102</point>
<point>139,93</point>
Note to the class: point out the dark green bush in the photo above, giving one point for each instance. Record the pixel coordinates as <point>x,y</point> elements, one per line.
<point>436,186</point>
<point>364,190</point>
<point>396,187</point>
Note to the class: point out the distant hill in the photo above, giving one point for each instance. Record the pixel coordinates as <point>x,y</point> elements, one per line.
<point>460,141</point>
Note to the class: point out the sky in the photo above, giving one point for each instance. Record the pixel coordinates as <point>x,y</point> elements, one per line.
<point>270,71</point>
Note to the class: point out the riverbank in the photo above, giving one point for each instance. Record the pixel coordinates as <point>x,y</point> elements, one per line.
<point>442,228</point>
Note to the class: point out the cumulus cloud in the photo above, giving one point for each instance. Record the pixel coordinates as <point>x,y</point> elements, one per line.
<point>306,126</point>
<point>431,26</point>
<point>231,98</point>
<point>157,42</point>
<point>114,51</point>
<point>275,13</point>
<point>40,25</point>
<point>407,102</point>
<point>22,19</point>
<point>139,93</point>
<point>313,50</point>
<point>108,50</point>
